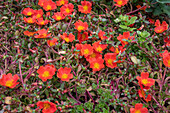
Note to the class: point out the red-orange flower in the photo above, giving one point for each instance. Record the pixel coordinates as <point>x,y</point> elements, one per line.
<point>52,42</point>
<point>126,35</point>
<point>61,2</point>
<point>58,16</point>
<point>138,109</point>
<point>97,64</point>
<point>95,55</point>
<point>28,33</point>
<point>167,41</point>
<point>43,33</point>
<point>38,13</point>
<point>110,60</point>
<point>9,80</point>
<point>46,72</point>
<point>49,5</point>
<point>82,37</point>
<point>86,50</point>
<point>101,35</point>
<point>28,11</point>
<point>64,74</point>
<point>40,21</point>
<point>48,107</point>
<point>138,6</point>
<point>68,38</point>
<point>67,9</point>
<point>120,3</point>
<point>166,58</point>
<point>148,82</point>
<point>118,49</point>
<point>99,47</point>
<point>142,93</point>
<point>85,7</point>
<point>79,25</point>
<point>160,27</point>
<point>30,20</point>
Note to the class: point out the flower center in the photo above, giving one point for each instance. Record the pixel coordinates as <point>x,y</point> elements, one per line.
<point>119,2</point>
<point>62,2</point>
<point>48,7</point>
<point>93,55</point>
<point>46,106</point>
<point>96,65</point>
<point>58,17</point>
<point>68,10</point>
<point>42,22</point>
<point>44,34</point>
<point>80,28</point>
<point>86,51</point>
<point>30,20</point>
<point>38,15</point>
<point>46,74</point>
<point>145,81</point>
<point>66,39</point>
<point>99,49</point>
<point>64,76</point>
<point>137,111</point>
<point>85,7</point>
<point>83,36</point>
<point>9,83</point>
<point>110,61</point>
<point>29,13</point>
<point>169,62</point>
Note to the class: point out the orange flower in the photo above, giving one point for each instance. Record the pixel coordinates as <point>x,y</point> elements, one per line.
<point>166,58</point>
<point>61,2</point>
<point>67,9</point>
<point>48,107</point>
<point>138,6</point>
<point>109,59</point>
<point>82,37</point>
<point>126,35</point>
<point>151,21</point>
<point>28,11</point>
<point>95,55</point>
<point>120,3</point>
<point>148,82</point>
<point>38,13</point>
<point>138,109</point>
<point>52,42</point>
<point>40,21</point>
<point>9,80</point>
<point>46,72</point>
<point>64,74</point>
<point>43,33</point>
<point>118,49</point>
<point>160,27</point>
<point>143,95</point>
<point>86,50</point>
<point>41,2</point>
<point>49,5</point>
<point>85,7</point>
<point>99,47</point>
<point>79,25</point>
<point>58,16</point>
<point>30,20</point>
<point>101,35</point>
<point>97,64</point>
<point>68,38</point>
<point>29,33</point>
<point>167,41</point>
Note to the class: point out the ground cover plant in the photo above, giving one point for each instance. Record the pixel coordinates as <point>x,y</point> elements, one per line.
<point>84,56</point>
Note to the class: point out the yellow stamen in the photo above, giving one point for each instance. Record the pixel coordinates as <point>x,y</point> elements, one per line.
<point>46,74</point>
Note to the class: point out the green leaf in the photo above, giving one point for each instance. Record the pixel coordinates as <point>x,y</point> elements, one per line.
<point>163,1</point>
<point>123,26</point>
<point>132,20</point>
